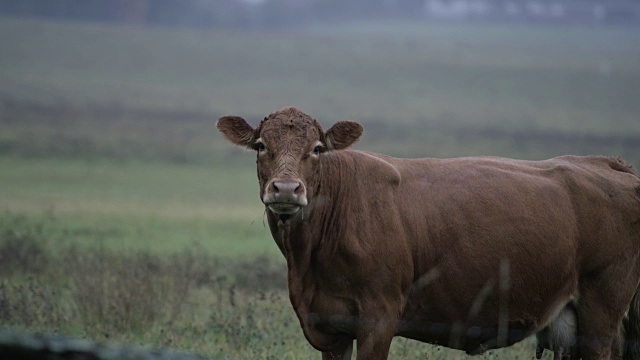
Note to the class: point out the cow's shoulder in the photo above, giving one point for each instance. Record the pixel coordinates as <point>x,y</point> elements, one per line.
<point>374,168</point>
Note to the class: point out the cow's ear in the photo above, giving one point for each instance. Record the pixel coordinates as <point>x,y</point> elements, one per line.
<point>342,134</point>
<point>236,130</point>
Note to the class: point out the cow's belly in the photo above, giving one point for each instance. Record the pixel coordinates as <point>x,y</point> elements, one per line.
<point>472,338</point>
<point>446,313</point>
<point>517,274</point>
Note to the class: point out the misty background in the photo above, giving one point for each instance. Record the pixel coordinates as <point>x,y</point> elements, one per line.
<point>126,217</point>
<point>277,14</point>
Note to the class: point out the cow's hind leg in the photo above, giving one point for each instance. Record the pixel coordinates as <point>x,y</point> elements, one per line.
<point>597,329</point>
<point>602,302</point>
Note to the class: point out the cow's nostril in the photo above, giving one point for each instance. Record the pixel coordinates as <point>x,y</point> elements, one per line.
<point>287,188</point>
<point>287,192</point>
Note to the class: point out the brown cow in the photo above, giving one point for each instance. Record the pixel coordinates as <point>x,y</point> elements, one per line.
<point>469,253</point>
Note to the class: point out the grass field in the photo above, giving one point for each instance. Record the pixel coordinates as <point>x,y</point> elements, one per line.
<point>125,217</point>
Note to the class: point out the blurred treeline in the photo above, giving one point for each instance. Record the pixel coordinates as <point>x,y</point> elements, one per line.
<point>266,14</point>
<point>210,13</point>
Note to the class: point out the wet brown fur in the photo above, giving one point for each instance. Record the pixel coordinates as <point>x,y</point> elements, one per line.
<point>470,253</point>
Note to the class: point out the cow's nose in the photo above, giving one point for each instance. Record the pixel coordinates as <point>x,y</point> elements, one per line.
<point>287,188</point>
<point>289,191</point>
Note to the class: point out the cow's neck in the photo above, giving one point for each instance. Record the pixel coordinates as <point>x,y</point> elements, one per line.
<point>307,233</point>
<point>298,256</point>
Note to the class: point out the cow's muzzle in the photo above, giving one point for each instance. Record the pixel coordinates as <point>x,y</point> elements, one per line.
<point>285,197</point>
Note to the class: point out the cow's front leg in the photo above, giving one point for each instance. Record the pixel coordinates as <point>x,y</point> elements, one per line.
<point>374,337</point>
<point>342,352</point>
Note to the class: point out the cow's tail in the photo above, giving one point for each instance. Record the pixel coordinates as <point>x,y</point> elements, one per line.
<point>632,329</point>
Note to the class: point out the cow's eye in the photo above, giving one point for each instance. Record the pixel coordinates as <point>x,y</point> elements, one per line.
<point>259,147</point>
<point>318,149</point>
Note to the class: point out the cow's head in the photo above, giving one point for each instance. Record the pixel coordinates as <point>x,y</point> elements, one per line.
<point>289,146</point>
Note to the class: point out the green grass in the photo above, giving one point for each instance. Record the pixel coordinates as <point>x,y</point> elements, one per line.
<point>136,205</point>
<point>189,299</point>
<point>111,168</point>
